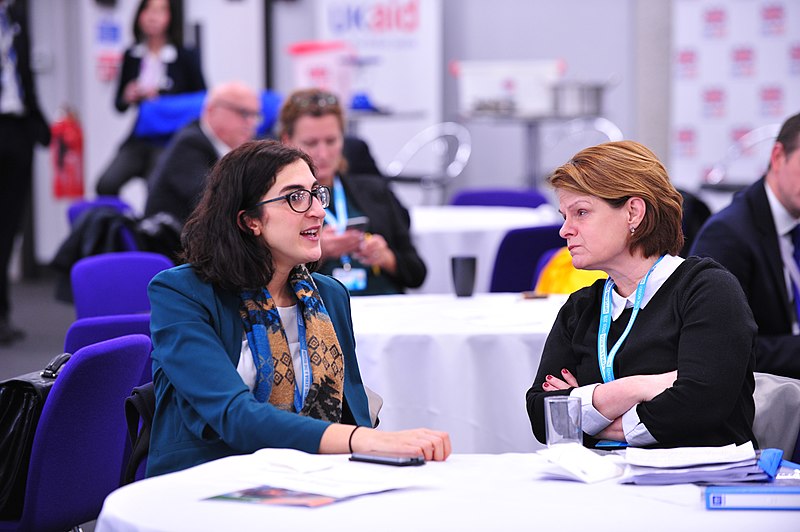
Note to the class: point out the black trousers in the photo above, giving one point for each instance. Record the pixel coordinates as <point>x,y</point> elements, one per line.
<point>16,168</point>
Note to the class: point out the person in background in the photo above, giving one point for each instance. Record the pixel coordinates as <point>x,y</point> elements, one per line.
<point>231,113</point>
<point>250,349</point>
<point>378,257</point>
<point>22,125</point>
<point>757,239</point>
<point>661,353</point>
<point>154,66</point>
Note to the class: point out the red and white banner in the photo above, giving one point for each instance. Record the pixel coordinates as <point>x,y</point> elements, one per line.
<point>736,67</point>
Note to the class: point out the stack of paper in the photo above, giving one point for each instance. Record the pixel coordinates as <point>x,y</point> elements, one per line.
<point>731,463</point>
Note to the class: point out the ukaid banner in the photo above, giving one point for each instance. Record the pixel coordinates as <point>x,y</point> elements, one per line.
<point>395,75</point>
<point>735,78</point>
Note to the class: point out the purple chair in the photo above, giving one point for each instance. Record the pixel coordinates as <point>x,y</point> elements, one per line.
<point>77,454</point>
<point>506,197</point>
<point>115,283</point>
<point>125,239</point>
<point>518,255</point>
<point>87,331</point>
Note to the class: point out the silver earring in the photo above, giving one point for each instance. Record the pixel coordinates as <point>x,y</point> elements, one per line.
<point>633,229</point>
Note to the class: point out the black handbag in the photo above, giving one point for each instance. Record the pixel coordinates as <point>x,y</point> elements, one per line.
<point>21,402</point>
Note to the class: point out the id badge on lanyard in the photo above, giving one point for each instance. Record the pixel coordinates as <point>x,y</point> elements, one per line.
<point>355,279</point>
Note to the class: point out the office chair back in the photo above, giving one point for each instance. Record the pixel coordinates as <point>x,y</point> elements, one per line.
<point>518,255</point>
<point>77,454</point>
<point>499,197</point>
<point>126,241</point>
<point>450,141</point>
<point>88,331</point>
<point>115,283</point>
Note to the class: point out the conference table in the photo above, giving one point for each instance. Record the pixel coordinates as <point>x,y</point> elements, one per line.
<point>458,364</point>
<point>465,493</point>
<point>442,232</point>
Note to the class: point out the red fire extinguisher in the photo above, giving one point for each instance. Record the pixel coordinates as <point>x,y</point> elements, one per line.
<point>66,153</point>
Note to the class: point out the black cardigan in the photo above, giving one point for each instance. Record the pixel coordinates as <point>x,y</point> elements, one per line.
<point>698,322</point>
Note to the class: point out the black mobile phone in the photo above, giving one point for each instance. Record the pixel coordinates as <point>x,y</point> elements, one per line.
<point>388,459</point>
<point>358,222</point>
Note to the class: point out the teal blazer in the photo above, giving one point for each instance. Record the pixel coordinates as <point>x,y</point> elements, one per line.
<point>204,410</point>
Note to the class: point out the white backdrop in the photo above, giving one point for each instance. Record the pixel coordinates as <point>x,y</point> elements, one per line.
<point>736,66</point>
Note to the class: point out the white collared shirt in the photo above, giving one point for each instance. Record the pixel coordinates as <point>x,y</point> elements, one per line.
<point>247,367</point>
<point>784,223</point>
<point>636,434</point>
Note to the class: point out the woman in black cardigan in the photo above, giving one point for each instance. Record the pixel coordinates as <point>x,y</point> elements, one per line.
<point>662,352</point>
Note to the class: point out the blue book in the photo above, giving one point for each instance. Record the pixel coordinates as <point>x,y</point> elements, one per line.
<point>767,496</point>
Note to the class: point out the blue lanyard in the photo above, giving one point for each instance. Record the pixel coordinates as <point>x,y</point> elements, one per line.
<point>339,222</point>
<point>303,384</point>
<point>604,359</point>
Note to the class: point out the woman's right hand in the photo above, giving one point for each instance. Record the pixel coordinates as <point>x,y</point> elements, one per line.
<point>433,444</point>
<point>336,245</point>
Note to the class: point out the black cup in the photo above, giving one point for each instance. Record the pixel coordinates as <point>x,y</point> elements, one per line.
<point>463,269</point>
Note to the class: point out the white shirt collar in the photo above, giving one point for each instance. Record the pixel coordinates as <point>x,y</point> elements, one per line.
<point>784,222</point>
<point>658,277</point>
<point>220,146</point>
<point>167,54</point>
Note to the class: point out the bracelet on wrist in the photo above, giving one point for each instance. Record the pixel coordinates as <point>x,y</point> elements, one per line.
<point>350,440</point>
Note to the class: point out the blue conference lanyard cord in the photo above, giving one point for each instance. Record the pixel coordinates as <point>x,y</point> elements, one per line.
<point>339,221</point>
<point>605,359</point>
<point>303,384</point>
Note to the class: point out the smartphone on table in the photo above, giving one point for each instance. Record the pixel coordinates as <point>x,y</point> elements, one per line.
<point>388,459</point>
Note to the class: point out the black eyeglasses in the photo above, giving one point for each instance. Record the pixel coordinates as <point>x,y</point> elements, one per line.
<point>318,100</point>
<point>246,114</point>
<point>300,200</point>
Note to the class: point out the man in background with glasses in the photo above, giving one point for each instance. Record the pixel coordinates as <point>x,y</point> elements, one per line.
<point>231,115</point>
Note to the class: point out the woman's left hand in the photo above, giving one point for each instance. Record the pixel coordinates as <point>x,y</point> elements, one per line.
<point>375,251</point>
<point>566,381</point>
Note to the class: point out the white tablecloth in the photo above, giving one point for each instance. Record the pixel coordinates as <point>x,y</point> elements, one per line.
<point>465,493</point>
<point>461,365</point>
<point>446,231</point>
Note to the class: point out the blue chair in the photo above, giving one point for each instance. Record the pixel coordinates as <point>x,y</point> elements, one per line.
<point>77,457</point>
<point>170,112</point>
<point>499,197</point>
<point>80,206</point>
<point>518,256</point>
<point>125,239</point>
<point>88,331</point>
<point>115,283</point>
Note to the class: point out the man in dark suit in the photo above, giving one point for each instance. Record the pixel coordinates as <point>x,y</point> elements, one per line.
<point>230,116</point>
<point>752,237</point>
<point>21,126</point>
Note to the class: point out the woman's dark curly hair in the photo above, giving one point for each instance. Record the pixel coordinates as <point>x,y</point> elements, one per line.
<point>216,242</point>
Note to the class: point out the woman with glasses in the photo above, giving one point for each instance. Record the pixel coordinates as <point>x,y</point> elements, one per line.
<point>250,350</point>
<point>375,256</point>
<point>156,64</point>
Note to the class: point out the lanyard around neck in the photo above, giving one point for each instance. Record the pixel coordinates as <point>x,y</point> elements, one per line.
<point>339,221</point>
<point>303,381</point>
<point>604,358</point>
